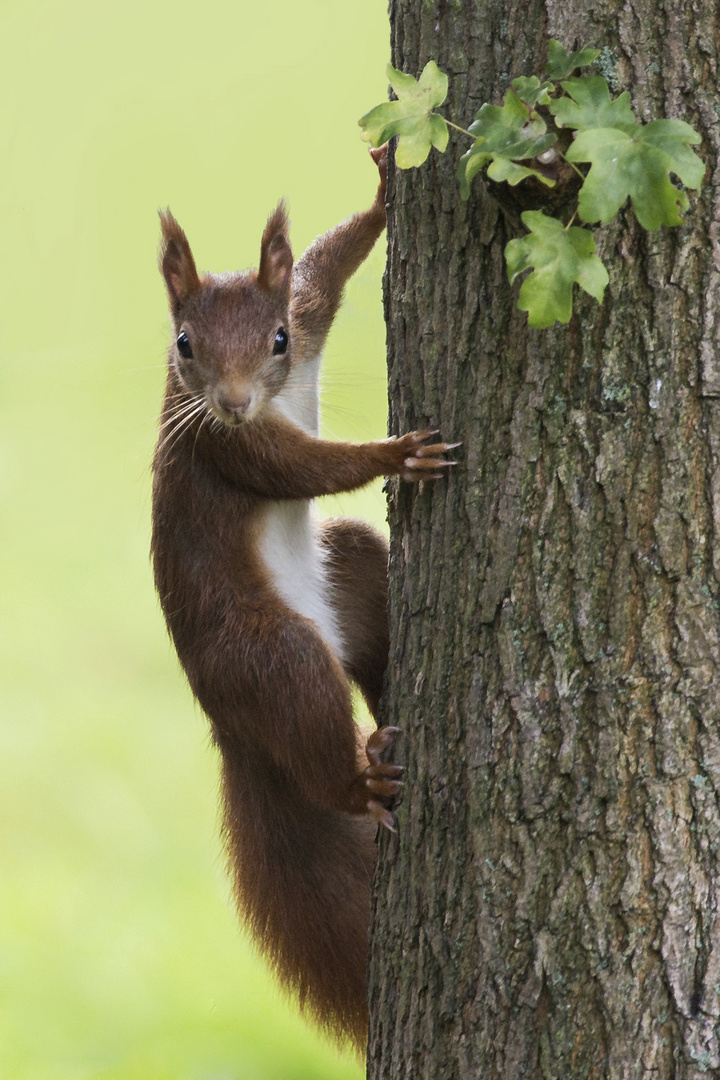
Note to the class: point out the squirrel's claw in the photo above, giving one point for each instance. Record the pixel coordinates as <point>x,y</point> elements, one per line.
<point>382,815</point>
<point>423,462</point>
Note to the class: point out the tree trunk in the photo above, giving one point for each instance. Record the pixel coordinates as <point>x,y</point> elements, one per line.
<point>549,907</point>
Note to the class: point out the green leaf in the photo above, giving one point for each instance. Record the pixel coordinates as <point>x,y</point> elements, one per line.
<point>502,168</point>
<point>512,132</point>
<point>560,257</point>
<point>561,64</point>
<point>411,116</point>
<point>532,91</point>
<point>591,106</point>
<point>636,163</point>
<point>469,166</point>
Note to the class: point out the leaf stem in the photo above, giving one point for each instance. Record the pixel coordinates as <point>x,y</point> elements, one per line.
<point>571,164</point>
<point>572,218</point>
<point>464,131</point>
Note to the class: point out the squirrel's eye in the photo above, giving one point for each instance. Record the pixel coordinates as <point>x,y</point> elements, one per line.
<point>184,347</point>
<point>281,342</point>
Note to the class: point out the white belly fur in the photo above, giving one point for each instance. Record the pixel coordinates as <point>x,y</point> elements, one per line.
<point>292,553</point>
<point>290,547</point>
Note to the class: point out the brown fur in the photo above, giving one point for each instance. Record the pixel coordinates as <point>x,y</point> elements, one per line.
<point>357,564</point>
<point>275,254</point>
<point>178,265</point>
<point>299,793</point>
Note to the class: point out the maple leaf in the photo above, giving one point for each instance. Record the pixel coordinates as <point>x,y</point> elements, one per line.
<point>411,116</point>
<point>635,162</point>
<point>591,105</point>
<point>560,64</point>
<point>560,257</point>
<point>531,90</point>
<point>504,134</point>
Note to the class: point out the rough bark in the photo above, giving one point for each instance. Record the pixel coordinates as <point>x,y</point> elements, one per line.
<point>549,908</point>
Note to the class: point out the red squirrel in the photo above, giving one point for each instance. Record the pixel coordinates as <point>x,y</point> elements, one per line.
<point>273,613</point>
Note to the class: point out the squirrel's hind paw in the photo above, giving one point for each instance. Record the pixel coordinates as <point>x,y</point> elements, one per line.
<point>382,815</point>
<point>382,779</point>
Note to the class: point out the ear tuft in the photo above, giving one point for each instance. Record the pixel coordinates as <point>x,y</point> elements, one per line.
<point>176,261</point>
<point>276,258</point>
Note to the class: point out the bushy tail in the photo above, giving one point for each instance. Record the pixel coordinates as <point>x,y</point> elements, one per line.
<point>302,879</point>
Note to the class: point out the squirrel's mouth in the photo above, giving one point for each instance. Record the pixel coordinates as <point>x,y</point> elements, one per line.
<point>234,421</point>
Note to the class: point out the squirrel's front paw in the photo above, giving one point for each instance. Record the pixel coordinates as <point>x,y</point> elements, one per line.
<point>382,781</point>
<point>419,460</point>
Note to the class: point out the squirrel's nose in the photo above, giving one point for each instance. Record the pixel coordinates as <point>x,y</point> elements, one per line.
<point>236,405</point>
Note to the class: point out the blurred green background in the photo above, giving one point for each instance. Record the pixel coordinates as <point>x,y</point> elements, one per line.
<point>120,955</point>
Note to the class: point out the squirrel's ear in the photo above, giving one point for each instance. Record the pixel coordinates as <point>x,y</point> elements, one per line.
<point>176,261</point>
<point>276,258</point>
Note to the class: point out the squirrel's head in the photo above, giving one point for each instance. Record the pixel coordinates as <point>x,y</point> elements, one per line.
<point>232,343</point>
